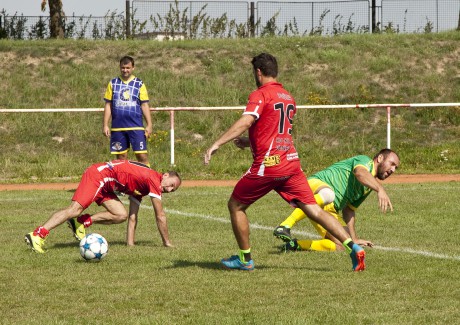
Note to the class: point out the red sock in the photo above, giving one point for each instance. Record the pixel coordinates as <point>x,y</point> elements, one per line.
<point>85,219</point>
<point>41,231</point>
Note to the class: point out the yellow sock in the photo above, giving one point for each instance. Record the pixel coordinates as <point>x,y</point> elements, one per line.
<point>322,245</point>
<point>298,214</point>
<point>319,200</point>
<point>295,216</point>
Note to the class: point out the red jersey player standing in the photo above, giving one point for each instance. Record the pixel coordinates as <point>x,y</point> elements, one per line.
<point>268,116</point>
<point>98,184</point>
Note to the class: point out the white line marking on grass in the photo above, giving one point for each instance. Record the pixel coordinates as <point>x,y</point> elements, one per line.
<point>308,234</point>
<point>227,220</point>
<point>416,252</point>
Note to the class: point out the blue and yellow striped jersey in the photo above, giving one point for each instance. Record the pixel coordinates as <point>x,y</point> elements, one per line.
<point>126,98</point>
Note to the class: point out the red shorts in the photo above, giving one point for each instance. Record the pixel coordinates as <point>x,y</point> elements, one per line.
<point>93,187</point>
<point>252,187</point>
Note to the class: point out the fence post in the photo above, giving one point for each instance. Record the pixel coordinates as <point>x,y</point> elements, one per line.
<point>458,25</point>
<point>388,127</point>
<point>374,23</point>
<point>171,121</point>
<point>128,19</point>
<point>252,24</point>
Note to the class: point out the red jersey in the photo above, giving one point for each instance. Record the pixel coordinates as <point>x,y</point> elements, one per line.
<point>131,178</point>
<point>270,136</point>
<point>100,181</point>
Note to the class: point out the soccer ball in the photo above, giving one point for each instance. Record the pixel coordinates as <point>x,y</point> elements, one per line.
<point>93,247</point>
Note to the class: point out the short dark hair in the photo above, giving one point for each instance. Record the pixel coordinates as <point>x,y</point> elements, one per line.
<point>174,174</point>
<point>385,152</point>
<point>266,63</point>
<point>126,59</point>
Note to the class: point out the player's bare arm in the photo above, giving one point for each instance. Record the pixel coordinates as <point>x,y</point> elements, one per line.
<point>160,218</point>
<point>349,216</point>
<point>107,116</point>
<point>365,177</point>
<point>148,118</point>
<point>237,129</point>
<point>132,221</point>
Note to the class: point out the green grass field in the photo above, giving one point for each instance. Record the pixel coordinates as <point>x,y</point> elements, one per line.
<point>412,274</point>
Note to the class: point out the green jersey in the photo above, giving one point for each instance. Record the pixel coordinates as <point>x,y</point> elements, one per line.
<point>340,177</point>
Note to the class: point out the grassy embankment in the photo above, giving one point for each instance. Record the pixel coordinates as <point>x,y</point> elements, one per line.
<point>348,69</point>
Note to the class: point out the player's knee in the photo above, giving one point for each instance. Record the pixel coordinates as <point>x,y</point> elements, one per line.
<point>235,206</point>
<point>74,210</point>
<point>327,195</point>
<point>312,211</point>
<point>120,217</point>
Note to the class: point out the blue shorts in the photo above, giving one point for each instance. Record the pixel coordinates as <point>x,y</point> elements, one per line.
<point>120,141</point>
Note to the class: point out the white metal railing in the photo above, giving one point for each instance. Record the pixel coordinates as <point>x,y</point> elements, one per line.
<point>221,108</point>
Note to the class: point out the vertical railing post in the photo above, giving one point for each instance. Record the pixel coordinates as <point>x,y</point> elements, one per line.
<point>252,19</point>
<point>171,115</point>
<point>128,19</point>
<point>388,127</point>
<point>374,22</point>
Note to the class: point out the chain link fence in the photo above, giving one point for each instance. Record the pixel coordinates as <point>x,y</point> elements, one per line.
<point>313,18</point>
<point>19,27</point>
<point>148,19</point>
<point>416,16</point>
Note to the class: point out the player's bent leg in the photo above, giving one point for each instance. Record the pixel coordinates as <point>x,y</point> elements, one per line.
<point>61,216</point>
<point>326,220</point>
<point>116,213</point>
<point>321,245</point>
<point>293,218</point>
<point>335,241</point>
<point>334,227</point>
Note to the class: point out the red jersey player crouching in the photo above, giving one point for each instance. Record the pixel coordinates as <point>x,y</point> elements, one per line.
<point>98,184</point>
<point>269,116</point>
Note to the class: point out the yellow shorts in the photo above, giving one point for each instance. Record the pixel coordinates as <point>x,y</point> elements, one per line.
<point>316,184</point>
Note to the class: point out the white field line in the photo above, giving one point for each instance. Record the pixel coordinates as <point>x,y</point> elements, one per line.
<point>307,234</point>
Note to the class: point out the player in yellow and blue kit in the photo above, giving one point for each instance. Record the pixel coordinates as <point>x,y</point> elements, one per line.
<point>343,186</point>
<point>126,102</point>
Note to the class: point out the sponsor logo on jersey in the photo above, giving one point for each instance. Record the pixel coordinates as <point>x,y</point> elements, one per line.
<point>270,161</point>
<point>284,96</point>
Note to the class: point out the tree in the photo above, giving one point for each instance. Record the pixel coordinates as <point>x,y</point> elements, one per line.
<point>56,17</point>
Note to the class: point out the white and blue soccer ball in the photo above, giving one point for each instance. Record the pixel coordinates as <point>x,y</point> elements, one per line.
<point>93,247</point>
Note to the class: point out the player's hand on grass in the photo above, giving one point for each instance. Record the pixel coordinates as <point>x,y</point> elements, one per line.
<point>364,243</point>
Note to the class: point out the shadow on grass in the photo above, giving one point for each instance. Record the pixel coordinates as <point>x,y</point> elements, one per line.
<point>144,243</point>
<point>214,265</point>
